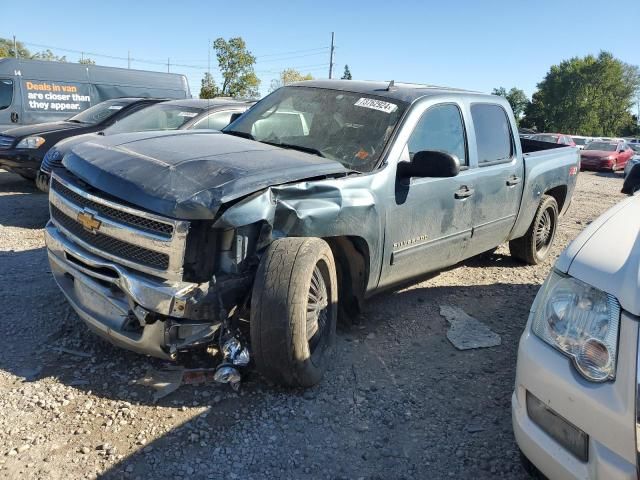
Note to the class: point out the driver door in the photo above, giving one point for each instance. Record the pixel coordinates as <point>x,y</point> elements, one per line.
<point>429,222</point>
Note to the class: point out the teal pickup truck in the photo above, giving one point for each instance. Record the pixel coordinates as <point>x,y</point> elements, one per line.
<point>251,241</point>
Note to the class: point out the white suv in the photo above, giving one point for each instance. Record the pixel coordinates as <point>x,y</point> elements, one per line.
<point>574,408</point>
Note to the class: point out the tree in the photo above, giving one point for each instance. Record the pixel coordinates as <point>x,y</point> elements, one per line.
<point>49,56</point>
<point>287,76</point>
<point>236,67</point>
<point>516,98</point>
<point>589,96</point>
<point>208,88</point>
<point>87,61</point>
<point>347,73</point>
<point>6,49</point>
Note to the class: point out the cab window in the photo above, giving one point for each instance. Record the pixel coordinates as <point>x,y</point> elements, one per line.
<point>440,128</point>
<point>6,93</point>
<point>215,121</point>
<point>493,134</point>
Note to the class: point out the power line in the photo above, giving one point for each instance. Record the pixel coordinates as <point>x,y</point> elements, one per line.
<point>292,52</point>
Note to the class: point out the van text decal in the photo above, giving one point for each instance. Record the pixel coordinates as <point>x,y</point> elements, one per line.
<point>55,96</point>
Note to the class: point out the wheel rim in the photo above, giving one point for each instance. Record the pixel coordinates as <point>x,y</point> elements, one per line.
<point>545,229</point>
<point>317,309</point>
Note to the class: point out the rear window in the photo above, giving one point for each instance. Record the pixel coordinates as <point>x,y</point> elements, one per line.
<point>493,133</point>
<point>546,138</point>
<point>6,93</point>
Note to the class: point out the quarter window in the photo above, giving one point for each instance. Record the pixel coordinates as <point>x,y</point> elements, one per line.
<point>493,133</point>
<point>215,121</point>
<point>6,93</point>
<point>440,128</point>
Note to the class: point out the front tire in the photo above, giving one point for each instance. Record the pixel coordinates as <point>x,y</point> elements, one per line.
<point>294,307</point>
<point>534,246</point>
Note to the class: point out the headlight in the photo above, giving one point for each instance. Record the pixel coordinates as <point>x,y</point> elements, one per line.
<point>30,142</point>
<point>580,321</point>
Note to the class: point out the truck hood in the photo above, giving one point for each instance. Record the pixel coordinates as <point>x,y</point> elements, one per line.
<point>189,174</point>
<point>606,254</point>
<point>41,128</point>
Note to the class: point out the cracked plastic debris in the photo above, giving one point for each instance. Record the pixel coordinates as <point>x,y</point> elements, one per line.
<point>465,332</point>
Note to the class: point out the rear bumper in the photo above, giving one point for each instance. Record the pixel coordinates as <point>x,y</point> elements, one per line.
<point>605,412</point>
<point>131,310</point>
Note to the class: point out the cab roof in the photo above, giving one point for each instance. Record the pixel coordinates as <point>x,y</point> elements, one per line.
<point>404,92</point>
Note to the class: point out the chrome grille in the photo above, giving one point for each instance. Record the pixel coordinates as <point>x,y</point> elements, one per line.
<point>111,245</point>
<point>6,142</point>
<point>142,223</point>
<point>125,235</point>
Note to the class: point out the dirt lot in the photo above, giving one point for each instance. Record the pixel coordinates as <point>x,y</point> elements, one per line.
<point>400,401</point>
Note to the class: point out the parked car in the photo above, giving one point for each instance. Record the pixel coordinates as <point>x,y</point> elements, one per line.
<point>35,91</point>
<point>554,138</point>
<point>23,148</point>
<point>172,115</point>
<point>258,235</point>
<point>634,160</point>
<point>581,141</point>
<point>575,404</point>
<point>605,156</point>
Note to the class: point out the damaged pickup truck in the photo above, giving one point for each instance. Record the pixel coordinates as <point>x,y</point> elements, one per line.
<point>252,241</point>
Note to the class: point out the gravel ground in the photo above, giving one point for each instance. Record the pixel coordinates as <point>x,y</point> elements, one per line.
<point>400,401</point>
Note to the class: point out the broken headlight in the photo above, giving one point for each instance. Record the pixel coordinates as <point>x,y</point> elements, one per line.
<point>582,322</point>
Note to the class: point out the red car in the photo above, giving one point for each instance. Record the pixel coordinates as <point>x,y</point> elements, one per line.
<point>554,138</point>
<point>605,156</point>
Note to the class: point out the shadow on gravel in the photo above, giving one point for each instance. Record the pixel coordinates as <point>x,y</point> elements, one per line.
<point>399,402</point>
<point>23,205</point>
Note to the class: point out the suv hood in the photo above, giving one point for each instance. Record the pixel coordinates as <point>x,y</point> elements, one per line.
<point>596,153</point>
<point>189,174</point>
<point>607,254</point>
<point>40,128</point>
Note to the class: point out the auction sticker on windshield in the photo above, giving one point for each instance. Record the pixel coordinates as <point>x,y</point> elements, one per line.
<point>380,105</point>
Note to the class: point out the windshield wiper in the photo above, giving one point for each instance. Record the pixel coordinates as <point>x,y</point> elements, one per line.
<point>73,120</point>
<point>236,133</point>
<point>313,151</point>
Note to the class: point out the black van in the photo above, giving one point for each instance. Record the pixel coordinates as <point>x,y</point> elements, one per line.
<point>34,91</point>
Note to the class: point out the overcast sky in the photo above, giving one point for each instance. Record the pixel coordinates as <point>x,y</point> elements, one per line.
<point>477,45</point>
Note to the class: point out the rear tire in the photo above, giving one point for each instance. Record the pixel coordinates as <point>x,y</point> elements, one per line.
<point>294,307</point>
<point>534,246</point>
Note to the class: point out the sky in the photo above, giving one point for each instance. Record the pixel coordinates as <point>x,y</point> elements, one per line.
<point>476,45</point>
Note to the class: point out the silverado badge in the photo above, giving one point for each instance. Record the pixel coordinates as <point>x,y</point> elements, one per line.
<point>88,221</point>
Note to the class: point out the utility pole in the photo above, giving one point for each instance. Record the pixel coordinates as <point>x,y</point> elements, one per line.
<point>331,57</point>
<point>15,47</point>
<point>129,59</point>
<point>81,57</point>
<point>168,62</point>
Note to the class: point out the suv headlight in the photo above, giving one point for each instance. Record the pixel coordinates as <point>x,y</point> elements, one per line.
<point>580,321</point>
<point>31,142</point>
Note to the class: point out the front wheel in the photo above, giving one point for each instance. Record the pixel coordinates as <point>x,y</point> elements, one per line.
<point>294,307</point>
<point>534,246</point>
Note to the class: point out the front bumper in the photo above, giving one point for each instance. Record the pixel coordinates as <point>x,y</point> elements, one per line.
<point>131,310</point>
<point>21,160</point>
<point>596,164</point>
<point>606,412</point>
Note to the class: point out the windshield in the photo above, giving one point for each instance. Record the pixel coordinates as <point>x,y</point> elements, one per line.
<point>606,147</point>
<point>580,141</point>
<point>100,112</point>
<point>546,138</point>
<point>156,117</point>
<point>635,147</point>
<point>348,127</point>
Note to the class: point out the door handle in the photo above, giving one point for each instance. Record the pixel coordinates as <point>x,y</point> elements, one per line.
<point>513,181</point>
<point>463,192</point>
<point>14,117</point>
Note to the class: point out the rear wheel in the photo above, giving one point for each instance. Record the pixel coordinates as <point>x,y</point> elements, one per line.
<point>534,246</point>
<point>294,308</point>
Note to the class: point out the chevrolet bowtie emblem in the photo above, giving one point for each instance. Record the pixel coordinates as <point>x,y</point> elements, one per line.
<point>88,222</point>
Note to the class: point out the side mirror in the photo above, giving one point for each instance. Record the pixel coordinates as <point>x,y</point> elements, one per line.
<point>430,163</point>
<point>632,183</point>
<point>235,116</point>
